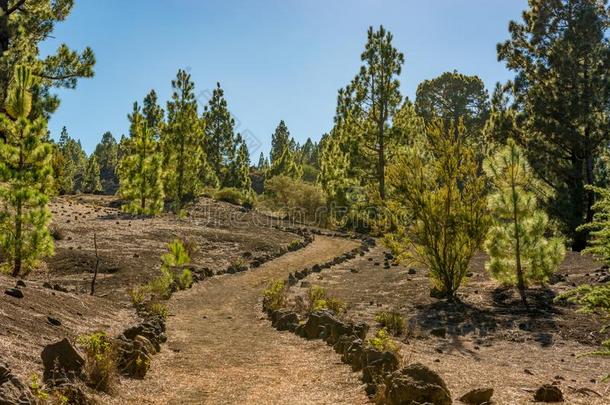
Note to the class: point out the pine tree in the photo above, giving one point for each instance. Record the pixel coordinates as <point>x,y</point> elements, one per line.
<point>284,159</point>
<point>518,249</point>
<point>238,174</point>
<point>280,141</point>
<point>263,163</point>
<point>439,205</point>
<point>25,174</point>
<point>140,170</point>
<point>92,183</point>
<point>334,175</point>
<point>153,114</point>
<point>187,170</point>
<point>561,56</point>
<point>286,165</point>
<point>307,153</point>
<point>106,153</point>
<point>74,163</point>
<point>23,26</point>
<point>220,143</point>
<point>453,96</point>
<point>367,105</point>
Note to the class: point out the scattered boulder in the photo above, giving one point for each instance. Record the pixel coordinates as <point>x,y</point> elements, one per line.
<point>286,320</point>
<point>53,321</point>
<point>352,354</point>
<point>62,363</point>
<point>134,357</point>
<point>548,393</point>
<point>416,383</point>
<point>316,324</point>
<point>20,283</point>
<point>14,292</point>
<point>377,364</point>
<point>478,396</point>
<point>12,390</point>
<point>412,271</point>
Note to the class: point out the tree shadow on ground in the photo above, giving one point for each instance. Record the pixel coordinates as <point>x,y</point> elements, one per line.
<point>505,318</point>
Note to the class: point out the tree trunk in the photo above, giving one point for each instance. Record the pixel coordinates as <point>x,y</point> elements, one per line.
<point>520,279</point>
<point>577,197</point>
<point>381,167</point>
<point>18,231</point>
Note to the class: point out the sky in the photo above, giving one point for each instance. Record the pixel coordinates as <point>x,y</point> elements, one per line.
<point>275,59</point>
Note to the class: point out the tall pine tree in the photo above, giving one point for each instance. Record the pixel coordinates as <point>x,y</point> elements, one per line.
<point>220,143</point>
<point>25,176</point>
<point>140,170</point>
<point>187,170</point>
<point>92,183</point>
<point>367,105</point>
<point>561,56</point>
<point>106,153</point>
<point>284,159</point>
<point>238,174</point>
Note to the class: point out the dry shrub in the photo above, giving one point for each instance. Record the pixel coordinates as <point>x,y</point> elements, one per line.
<point>274,296</point>
<point>298,200</point>
<point>383,342</point>
<point>392,321</point>
<point>100,366</point>
<point>318,299</point>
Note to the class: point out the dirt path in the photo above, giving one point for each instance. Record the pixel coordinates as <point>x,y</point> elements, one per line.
<point>221,349</point>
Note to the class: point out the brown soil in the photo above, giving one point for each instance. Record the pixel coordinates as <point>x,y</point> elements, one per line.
<point>130,247</point>
<point>26,330</point>
<point>129,250</point>
<point>491,340</point>
<point>222,350</point>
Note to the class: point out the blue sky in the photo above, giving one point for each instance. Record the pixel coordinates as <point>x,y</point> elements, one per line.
<point>275,59</point>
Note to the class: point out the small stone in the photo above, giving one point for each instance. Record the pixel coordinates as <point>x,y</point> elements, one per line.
<point>53,321</point>
<point>20,283</point>
<point>548,393</point>
<point>14,292</point>
<point>479,396</point>
<point>412,271</point>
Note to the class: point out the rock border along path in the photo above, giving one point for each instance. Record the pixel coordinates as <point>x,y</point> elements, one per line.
<point>220,348</point>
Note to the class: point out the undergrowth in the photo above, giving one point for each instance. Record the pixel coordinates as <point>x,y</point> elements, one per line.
<point>392,321</point>
<point>383,342</point>
<point>100,365</point>
<point>274,296</point>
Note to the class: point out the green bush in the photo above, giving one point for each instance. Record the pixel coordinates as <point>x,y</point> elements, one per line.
<point>310,173</point>
<point>294,245</point>
<point>157,309</point>
<point>238,265</point>
<point>230,195</point>
<point>318,299</point>
<point>100,363</point>
<point>392,321</point>
<point>296,199</point>
<point>274,296</point>
<point>138,295</point>
<point>383,342</point>
<point>161,287</point>
<point>185,280</point>
<point>316,294</point>
<point>172,263</point>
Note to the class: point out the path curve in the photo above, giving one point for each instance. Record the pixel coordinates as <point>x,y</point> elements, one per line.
<point>221,350</point>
